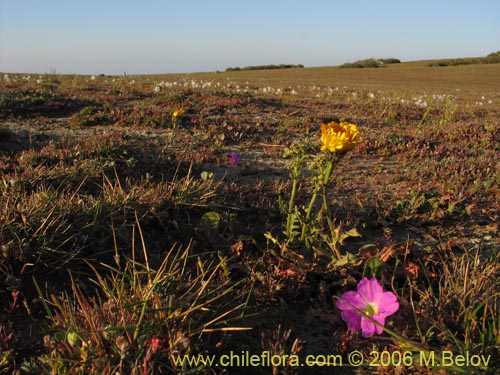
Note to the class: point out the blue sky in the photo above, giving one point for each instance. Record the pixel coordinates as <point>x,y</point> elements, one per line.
<point>155,36</point>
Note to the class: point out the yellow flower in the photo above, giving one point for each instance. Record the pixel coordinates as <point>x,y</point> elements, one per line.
<point>341,137</point>
<point>178,113</point>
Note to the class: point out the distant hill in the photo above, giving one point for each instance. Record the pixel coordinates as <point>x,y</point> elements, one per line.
<point>262,67</point>
<point>371,63</point>
<point>492,58</point>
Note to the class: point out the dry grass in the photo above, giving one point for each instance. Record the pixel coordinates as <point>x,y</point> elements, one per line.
<point>465,82</point>
<point>126,237</point>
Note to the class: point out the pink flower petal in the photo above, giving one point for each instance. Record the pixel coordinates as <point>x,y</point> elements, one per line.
<point>371,298</point>
<point>349,300</point>
<point>370,289</point>
<point>388,304</point>
<point>353,320</point>
<point>367,328</point>
<point>381,320</point>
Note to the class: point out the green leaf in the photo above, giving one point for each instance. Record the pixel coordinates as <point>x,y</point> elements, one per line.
<point>373,267</point>
<point>347,259</point>
<point>211,221</point>
<point>72,338</point>
<point>271,238</point>
<point>207,175</point>
<point>350,233</point>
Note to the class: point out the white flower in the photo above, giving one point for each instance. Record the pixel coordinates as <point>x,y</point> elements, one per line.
<point>421,103</point>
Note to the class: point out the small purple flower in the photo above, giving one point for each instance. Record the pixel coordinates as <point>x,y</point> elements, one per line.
<point>371,300</point>
<point>234,159</point>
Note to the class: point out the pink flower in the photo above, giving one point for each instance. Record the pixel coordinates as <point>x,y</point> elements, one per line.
<point>234,159</point>
<point>155,344</point>
<point>369,300</point>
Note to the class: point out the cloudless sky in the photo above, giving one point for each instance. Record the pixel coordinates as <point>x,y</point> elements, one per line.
<point>167,36</point>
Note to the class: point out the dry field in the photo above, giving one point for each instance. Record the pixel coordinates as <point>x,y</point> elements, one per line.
<point>143,218</point>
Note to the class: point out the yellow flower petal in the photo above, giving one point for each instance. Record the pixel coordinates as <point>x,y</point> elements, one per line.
<point>178,113</point>
<point>339,137</point>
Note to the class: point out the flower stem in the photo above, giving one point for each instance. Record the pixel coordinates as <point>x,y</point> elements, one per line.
<point>308,213</point>
<point>328,173</point>
<point>321,184</point>
<point>289,220</point>
<point>326,206</point>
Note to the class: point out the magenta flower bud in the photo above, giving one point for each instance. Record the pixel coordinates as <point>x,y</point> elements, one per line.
<point>234,159</point>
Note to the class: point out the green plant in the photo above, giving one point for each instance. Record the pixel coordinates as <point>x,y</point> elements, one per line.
<point>298,160</point>
<point>462,307</point>
<point>425,206</point>
<point>279,344</point>
<point>138,315</point>
<point>305,224</point>
<point>89,116</point>
<point>177,117</point>
<point>427,112</point>
<point>450,108</point>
